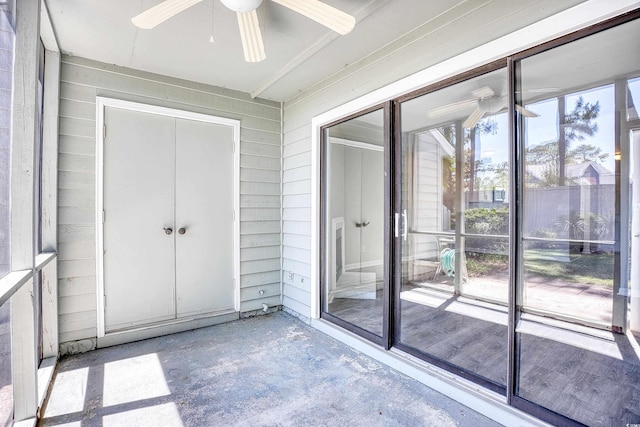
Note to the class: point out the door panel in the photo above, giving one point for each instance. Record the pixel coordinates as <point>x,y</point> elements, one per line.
<point>139,179</point>
<point>204,207</point>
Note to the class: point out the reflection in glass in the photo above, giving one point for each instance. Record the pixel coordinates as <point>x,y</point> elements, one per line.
<point>574,283</point>
<point>354,227</point>
<point>455,177</point>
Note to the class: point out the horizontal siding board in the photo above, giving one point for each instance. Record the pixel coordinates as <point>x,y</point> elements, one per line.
<point>297,294</point>
<point>77,268</point>
<point>68,144</point>
<point>76,162</point>
<point>257,304</point>
<point>76,233</point>
<point>79,320</point>
<point>297,161</point>
<point>294,135</point>
<point>297,187</point>
<point>259,227</point>
<point>76,198</point>
<point>254,201</point>
<point>297,227</point>
<point>297,254</point>
<point>301,308</point>
<point>260,188</point>
<point>71,286</point>
<point>260,266</point>
<point>301,268</point>
<point>77,127</point>
<point>76,335</point>
<point>259,240</point>
<point>260,175</point>
<point>257,214</point>
<point>296,148</point>
<point>253,254</point>
<point>76,303</point>
<point>295,214</point>
<point>74,180</point>
<point>297,174</point>
<point>264,150</point>
<point>76,215</point>
<point>258,162</point>
<point>297,241</point>
<point>254,293</point>
<point>258,279</point>
<point>296,201</point>
<point>85,249</point>
<point>260,136</point>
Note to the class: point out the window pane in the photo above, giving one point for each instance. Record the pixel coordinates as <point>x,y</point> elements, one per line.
<point>6,387</point>
<point>354,228</point>
<point>574,198</point>
<point>452,302</point>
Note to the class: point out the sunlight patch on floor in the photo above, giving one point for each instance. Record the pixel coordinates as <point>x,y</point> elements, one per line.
<point>134,379</point>
<point>158,415</point>
<point>71,395</point>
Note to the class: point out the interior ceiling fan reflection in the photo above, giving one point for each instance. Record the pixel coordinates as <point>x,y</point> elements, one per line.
<point>484,101</point>
<point>250,33</point>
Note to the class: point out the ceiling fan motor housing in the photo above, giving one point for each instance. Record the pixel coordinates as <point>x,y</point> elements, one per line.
<point>242,6</point>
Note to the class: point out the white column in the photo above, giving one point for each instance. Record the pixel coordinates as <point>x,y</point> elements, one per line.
<point>24,131</point>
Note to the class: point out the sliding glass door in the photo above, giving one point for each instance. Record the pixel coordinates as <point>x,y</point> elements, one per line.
<point>354,224</point>
<point>454,207</point>
<point>489,225</point>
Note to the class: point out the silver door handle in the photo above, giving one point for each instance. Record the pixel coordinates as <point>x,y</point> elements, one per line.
<point>182,230</point>
<point>405,226</point>
<point>168,230</point>
<point>396,225</point>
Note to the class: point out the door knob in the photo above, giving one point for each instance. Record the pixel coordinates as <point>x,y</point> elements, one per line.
<point>182,230</point>
<point>168,230</point>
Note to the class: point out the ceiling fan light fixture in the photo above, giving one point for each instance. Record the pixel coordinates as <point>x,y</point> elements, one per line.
<point>251,36</point>
<point>241,6</point>
<point>161,12</point>
<point>332,18</point>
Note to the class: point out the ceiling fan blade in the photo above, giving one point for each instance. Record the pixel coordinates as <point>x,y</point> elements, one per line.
<point>161,12</point>
<point>473,118</point>
<point>322,13</point>
<point>525,112</point>
<point>252,43</point>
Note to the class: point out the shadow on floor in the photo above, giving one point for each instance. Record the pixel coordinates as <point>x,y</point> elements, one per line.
<point>266,370</point>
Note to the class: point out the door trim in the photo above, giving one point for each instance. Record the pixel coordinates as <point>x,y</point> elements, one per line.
<point>101,104</point>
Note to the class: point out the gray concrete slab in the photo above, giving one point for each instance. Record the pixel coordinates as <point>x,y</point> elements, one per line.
<point>264,371</point>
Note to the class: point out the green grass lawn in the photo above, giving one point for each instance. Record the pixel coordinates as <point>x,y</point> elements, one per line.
<point>591,269</point>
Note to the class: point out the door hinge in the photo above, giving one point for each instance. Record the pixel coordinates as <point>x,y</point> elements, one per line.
<point>103,216</point>
<point>104,132</point>
<point>105,300</point>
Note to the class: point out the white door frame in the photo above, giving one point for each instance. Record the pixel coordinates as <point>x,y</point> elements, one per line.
<point>101,103</point>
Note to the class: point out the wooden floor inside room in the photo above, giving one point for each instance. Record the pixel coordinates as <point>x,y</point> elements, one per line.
<point>590,375</point>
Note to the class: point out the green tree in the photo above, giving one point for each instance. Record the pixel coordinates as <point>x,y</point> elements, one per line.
<point>576,125</point>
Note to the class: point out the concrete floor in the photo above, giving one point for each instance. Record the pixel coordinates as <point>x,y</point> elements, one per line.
<point>267,370</point>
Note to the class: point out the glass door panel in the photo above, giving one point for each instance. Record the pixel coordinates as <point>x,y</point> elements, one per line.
<point>354,196</point>
<point>576,210</point>
<point>454,213</point>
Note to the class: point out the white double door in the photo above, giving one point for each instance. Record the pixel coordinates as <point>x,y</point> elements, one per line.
<point>168,198</point>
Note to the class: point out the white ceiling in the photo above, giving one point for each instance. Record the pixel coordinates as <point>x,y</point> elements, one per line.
<point>300,52</point>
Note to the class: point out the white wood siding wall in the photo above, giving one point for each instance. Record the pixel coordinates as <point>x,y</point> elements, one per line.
<point>468,25</point>
<point>81,81</point>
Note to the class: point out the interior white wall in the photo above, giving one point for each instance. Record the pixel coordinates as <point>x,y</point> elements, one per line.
<point>461,42</point>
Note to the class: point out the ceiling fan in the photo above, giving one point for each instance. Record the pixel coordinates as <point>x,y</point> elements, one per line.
<point>250,33</point>
<point>485,101</point>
